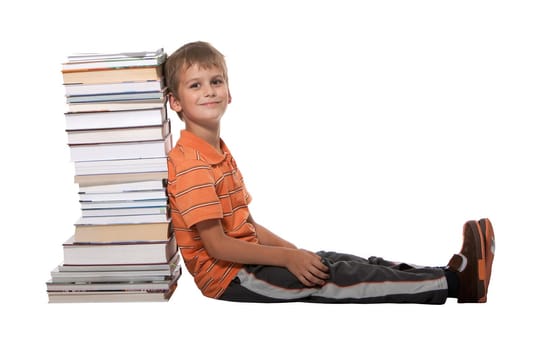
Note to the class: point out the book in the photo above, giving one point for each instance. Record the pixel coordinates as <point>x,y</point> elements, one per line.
<point>115,119</point>
<point>123,196</point>
<point>140,133</point>
<point>145,252</point>
<point>118,166</point>
<point>107,56</point>
<point>140,286</point>
<point>114,106</point>
<point>59,275</point>
<point>167,267</point>
<point>111,296</point>
<point>60,278</point>
<point>121,219</point>
<point>108,286</point>
<point>114,88</point>
<point>99,179</point>
<point>121,150</point>
<point>149,185</point>
<point>112,75</point>
<point>151,231</point>
<point>119,97</point>
<point>126,211</point>
<point>108,205</point>
<point>115,60</point>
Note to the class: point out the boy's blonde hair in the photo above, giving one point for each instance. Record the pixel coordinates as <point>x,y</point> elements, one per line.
<point>195,53</point>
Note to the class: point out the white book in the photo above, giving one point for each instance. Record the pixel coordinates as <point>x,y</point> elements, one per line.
<point>59,276</point>
<point>113,106</point>
<point>121,220</point>
<point>123,196</point>
<point>115,119</point>
<point>148,203</point>
<point>110,296</point>
<point>168,267</point>
<point>121,166</point>
<point>128,96</point>
<point>141,133</point>
<point>124,211</point>
<point>121,150</point>
<point>113,88</point>
<point>110,56</point>
<point>125,187</point>
<point>110,276</point>
<point>86,61</point>
<point>118,253</point>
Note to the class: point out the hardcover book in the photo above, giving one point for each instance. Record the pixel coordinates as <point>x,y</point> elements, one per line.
<point>146,252</point>
<point>121,150</point>
<point>115,119</point>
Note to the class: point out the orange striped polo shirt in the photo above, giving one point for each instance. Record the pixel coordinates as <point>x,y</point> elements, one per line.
<point>205,184</point>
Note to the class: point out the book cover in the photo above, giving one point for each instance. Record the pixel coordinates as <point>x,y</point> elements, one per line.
<point>126,211</point>
<point>113,75</point>
<point>149,185</point>
<point>85,61</point>
<point>114,88</point>
<point>160,203</point>
<point>119,166</point>
<point>114,106</point>
<point>122,219</point>
<point>101,179</point>
<point>134,134</point>
<point>121,150</point>
<point>119,97</point>
<point>123,196</point>
<point>118,253</point>
<point>108,56</point>
<point>95,277</point>
<point>168,266</point>
<point>115,119</point>
<point>111,296</point>
<point>61,276</point>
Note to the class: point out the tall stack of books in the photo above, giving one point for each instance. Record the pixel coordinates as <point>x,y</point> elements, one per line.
<point>119,135</point>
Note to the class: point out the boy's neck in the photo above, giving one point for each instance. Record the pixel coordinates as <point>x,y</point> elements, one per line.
<point>211,136</point>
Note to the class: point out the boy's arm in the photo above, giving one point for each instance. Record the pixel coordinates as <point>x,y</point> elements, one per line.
<point>305,265</point>
<point>266,237</point>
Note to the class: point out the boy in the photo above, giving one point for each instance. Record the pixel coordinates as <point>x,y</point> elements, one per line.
<point>232,257</point>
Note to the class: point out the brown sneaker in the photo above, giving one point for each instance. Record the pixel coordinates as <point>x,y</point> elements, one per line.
<point>469,265</point>
<point>490,247</point>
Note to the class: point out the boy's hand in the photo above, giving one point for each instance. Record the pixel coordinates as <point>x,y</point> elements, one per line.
<point>307,267</point>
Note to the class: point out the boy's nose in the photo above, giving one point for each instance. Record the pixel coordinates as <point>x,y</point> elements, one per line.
<point>209,91</point>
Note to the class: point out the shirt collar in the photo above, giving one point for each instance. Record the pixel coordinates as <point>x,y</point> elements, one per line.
<point>209,153</point>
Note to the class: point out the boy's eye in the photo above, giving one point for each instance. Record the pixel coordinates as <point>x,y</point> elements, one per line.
<point>194,85</point>
<point>217,81</point>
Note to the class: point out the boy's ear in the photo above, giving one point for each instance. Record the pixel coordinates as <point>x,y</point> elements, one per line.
<point>174,103</point>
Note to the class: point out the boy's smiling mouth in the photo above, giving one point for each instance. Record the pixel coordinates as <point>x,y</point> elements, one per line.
<point>210,103</point>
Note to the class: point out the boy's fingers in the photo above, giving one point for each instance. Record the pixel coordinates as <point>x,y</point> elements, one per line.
<point>323,266</point>
<point>319,263</point>
<point>318,276</point>
<point>306,281</point>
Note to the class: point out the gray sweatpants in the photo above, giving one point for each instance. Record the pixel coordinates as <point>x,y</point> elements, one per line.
<point>352,280</point>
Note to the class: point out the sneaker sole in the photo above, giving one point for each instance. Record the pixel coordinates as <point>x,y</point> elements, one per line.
<point>476,293</point>
<point>490,246</point>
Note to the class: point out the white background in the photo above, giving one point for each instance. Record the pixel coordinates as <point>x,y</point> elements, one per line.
<point>376,128</point>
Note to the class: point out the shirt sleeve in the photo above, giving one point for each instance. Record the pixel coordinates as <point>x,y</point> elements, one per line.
<point>191,187</point>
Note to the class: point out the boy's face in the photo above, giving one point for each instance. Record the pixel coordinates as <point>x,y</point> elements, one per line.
<point>203,95</point>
